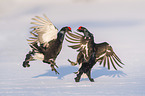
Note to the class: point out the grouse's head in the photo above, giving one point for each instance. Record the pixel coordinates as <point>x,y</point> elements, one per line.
<point>62,32</point>
<point>82,29</point>
<point>66,29</point>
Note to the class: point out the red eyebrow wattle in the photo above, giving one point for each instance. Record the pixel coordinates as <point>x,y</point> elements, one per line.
<point>69,28</point>
<point>80,27</point>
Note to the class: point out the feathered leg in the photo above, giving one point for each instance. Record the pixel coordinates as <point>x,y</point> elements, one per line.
<point>80,58</point>
<point>77,79</point>
<point>27,59</point>
<point>89,76</point>
<point>86,68</point>
<point>81,70</point>
<point>53,69</point>
<point>52,64</point>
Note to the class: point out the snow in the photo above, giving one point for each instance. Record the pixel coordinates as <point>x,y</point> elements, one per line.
<point>121,23</point>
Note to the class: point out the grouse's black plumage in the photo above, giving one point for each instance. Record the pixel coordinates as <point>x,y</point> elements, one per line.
<point>91,52</point>
<point>46,43</point>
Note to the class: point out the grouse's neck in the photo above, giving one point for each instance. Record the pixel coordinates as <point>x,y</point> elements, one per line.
<point>89,35</point>
<point>60,36</point>
<point>86,33</point>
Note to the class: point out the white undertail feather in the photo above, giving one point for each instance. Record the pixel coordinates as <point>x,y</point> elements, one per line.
<point>84,75</point>
<point>38,56</point>
<point>44,31</point>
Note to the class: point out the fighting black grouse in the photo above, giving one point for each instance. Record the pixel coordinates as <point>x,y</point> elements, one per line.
<point>91,52</point>
<point>46,42</point>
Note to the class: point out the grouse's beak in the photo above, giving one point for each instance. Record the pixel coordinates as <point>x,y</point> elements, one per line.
<point>69,31</point>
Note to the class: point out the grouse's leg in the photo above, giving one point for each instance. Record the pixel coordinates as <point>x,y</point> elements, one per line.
<point>89,76</point>
<point>27,59</point>
<point>80,58</point>
<point>52,62</point>
<point>77,79</point>
<point>53,69</point>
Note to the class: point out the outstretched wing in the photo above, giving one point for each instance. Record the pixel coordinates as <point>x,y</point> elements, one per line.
<point>44,31</point>
<point>107,56</point>
<point>75,39</point>
<point>79,41</point>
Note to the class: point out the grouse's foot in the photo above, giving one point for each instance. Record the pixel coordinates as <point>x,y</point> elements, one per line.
<point>77,79</point>
<point>92,80</point>
<point>53,69</point>
<point>46,61</point>
<point>26,64</point>
<point>75,72</point>
<point>56,72</point>
<point>50,61</point>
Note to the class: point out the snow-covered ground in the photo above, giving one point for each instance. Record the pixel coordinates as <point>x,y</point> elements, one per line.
<point>119,22</point>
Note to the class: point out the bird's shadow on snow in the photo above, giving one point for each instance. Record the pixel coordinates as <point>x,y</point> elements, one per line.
<point>66,70</point>
<point>63,71</point>
<point>102,71</point>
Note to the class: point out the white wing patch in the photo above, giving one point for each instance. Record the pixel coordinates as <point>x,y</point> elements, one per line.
<point>44,30</point>
<point>104,54</point>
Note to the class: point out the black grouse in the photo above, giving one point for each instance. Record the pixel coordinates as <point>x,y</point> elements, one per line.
<point>46,42</point>
<point>91,52</point>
